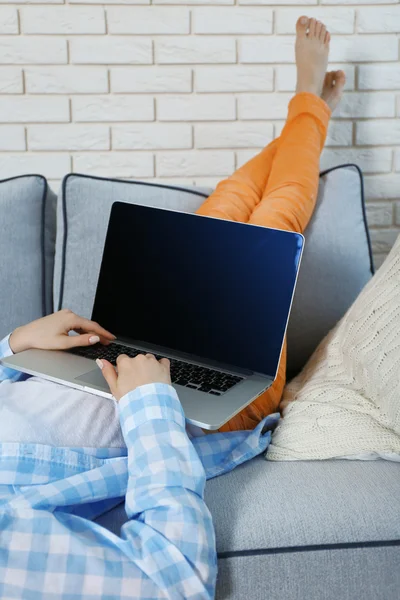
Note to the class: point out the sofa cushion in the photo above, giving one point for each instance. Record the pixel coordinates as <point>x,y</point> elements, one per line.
<point>322,529</point>
<point>27,243</point>
<point>289,530</point>
<point>336,263</point>
<point>83,215</point>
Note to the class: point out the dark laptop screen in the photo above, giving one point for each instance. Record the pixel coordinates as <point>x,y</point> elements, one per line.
<point>215,289</point>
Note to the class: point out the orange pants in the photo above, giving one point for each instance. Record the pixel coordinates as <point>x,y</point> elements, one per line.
<point>278,188</point>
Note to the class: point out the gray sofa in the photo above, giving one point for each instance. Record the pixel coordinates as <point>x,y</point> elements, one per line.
<point>288,531</point>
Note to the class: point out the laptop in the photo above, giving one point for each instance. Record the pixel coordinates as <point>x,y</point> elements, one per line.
<point>213,296</point>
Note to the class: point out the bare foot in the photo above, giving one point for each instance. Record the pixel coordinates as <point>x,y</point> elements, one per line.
<point>312,50</point>
<point>333,88</point>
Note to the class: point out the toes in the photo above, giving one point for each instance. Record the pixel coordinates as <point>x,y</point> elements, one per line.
<point>318,29</point>
<point>311,28</point>
<point>302,26</point>
<point>340,78</point>
<point>328,82</point>
<point>327,37</point>
<point>323,33</point>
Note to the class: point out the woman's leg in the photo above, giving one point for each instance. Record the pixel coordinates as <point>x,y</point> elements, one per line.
<point>288,203</point>
<point>235,198</point>
<point>278,188</point>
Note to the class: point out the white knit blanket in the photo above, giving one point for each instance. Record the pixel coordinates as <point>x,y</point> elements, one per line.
<point>346,401</point>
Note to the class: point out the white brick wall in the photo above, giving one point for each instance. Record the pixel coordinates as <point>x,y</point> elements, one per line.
<point>187,90</point>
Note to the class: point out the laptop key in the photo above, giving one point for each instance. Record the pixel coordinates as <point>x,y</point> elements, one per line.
<point>182,373</point>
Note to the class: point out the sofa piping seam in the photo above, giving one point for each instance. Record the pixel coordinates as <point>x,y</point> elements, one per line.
<point>308,548</point>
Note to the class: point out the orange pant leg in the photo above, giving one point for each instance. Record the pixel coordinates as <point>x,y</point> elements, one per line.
<point>235,198</point>
<point>288,203</point>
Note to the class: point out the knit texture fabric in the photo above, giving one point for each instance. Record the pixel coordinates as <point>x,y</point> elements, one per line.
<point>346,401</point>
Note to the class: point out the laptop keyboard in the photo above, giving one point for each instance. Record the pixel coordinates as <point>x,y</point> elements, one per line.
<point>188,375</point>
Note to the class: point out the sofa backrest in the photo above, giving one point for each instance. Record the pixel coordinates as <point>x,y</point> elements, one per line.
<point>27,242</point>
<point>336,263</point>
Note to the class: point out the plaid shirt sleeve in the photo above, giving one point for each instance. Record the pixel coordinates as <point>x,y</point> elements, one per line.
<point>6,373</point>
<point>166,548</point>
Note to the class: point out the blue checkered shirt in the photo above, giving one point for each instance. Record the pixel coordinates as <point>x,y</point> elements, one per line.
<point>50,547</point>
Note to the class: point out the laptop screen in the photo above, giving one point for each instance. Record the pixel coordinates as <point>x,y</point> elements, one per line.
<point>218,290</point>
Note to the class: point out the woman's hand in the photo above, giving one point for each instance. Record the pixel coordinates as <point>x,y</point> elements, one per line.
<point>134,372</point>
<point>51,333</point>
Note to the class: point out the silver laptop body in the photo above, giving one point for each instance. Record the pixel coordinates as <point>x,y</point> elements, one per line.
<point>222,288</point>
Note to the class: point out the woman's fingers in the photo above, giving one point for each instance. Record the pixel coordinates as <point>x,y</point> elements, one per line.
<point>85,339</point>
<point>109,374</point>
<point>90,326</point>
<point>165,363</point>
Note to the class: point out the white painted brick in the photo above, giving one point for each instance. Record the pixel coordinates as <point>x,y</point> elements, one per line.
<point>263,106</point>
<point>55,185</point>
<point>286,76</point>
<point>31,110</point>
<point>108,1</point>
<point>192,50</point>
<point>204,184</point>
<point>382,187</point>
<point>50,165</point>
<point>207,184</point>
<point>32,51</point>
<point>370,160</point>
<point>12,137</point>
<point>397,213</point>
<point>359,105</point>
<point>243,156</point>
<point>62,19</point>
<point>233,135</point>
<point>148,20</point>
<point>274,2</point>
<point>337,20</point>
<point>195,164</point>
<point>379,19</point>
<point>357,1</point>
<point>66,80</point>
<point>266,50</point>
<point>379,77</point>
<point>340,133</point>
<point>11,80</point>
<point>234,79</point>
<point>379,214</point>
<point>397,163</point>
<point>382,240</point>
<point>153,136</point>
<point>113,108</point>
<point>363,48</point>
<point>194,2</point>
<point>151,79</point>
<point>232,20</point>
<point>111,50</point>
<point>31,1</point>
<point>68,137</point>
<point>378,132</point>
<point>379,259</point>
<point>196,108</point>
<point>8,20</point>
<point>127,165</point>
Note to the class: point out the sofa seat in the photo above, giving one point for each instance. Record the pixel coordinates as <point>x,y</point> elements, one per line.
<point>329,526</point>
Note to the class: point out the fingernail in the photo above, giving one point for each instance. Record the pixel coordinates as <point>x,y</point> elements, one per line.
<point>94,339</point>
<point>99,363</point>
<point>304,20</point>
